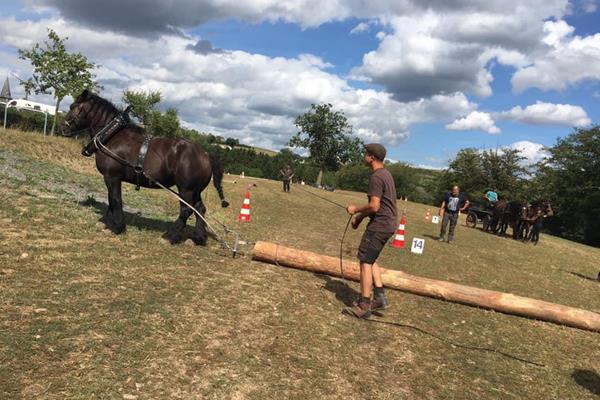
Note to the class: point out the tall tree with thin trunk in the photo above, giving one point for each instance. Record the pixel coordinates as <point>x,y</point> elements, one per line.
<point>57,70</point>
<point>327,136</point>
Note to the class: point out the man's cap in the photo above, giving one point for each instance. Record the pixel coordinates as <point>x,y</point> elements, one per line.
<point>376,150</point>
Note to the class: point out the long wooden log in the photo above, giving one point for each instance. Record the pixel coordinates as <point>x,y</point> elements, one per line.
<point>498,301</point>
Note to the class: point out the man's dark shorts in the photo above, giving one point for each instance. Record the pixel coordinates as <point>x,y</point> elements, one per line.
<point>371,245</point>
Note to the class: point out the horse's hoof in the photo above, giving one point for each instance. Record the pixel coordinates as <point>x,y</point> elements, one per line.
<point>173,238</point>
<point>164,241</point>
<point>107,231</point>
<point>189,242</point>
<point>118,231</point>
<point>101,225</point>
<point>224,204</point>
<point>199,241</point>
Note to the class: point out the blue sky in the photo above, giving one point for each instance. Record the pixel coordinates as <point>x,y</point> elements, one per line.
<point>424,78</point>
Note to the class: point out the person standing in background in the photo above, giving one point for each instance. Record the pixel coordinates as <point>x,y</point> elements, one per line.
<point>287,174</point>
<point>454,202</point>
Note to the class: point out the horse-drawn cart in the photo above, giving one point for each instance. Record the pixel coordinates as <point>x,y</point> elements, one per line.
<point>479,216</point>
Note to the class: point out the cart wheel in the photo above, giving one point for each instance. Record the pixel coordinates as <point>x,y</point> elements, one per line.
<point>485,220</point>
<point>471,220</point>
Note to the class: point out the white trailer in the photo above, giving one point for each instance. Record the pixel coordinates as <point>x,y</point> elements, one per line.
<point>23,104</point>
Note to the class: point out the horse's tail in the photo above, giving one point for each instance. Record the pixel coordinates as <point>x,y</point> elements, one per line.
<point>217,172</point>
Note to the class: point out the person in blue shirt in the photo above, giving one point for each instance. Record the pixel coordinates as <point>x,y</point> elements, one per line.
<point>491,197</point>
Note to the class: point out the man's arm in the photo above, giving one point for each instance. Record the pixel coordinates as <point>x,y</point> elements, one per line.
<point>465,206</point>
<point>442,208</point>
<point>368,209</point>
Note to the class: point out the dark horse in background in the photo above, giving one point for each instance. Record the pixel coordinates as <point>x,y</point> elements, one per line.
<point>533,221</point>
<point>505,214</point>
<point>170,161</point>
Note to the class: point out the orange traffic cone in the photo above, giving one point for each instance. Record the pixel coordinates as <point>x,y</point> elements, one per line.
<point>399,238</point>
<point>427,215</point>
<point>245,211</point>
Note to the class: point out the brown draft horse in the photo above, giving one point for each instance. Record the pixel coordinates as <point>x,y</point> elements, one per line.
<point>169,161</point>
<point>505,214</point>
<point>532,223</point>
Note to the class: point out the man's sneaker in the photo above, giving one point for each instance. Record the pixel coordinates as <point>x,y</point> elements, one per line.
<point>441,239</point>
<point>379,303</point>
<point>361,310</point>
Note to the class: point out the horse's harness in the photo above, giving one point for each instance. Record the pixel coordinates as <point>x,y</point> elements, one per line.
<point>108,131</point>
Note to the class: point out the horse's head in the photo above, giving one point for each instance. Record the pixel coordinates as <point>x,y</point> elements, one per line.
<point>77,119</point>
<point>547,207</point>
<point>543,206</point>
<point>80,115</point>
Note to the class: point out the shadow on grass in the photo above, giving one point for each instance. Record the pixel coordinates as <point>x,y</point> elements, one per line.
<point>453,344</point>
<point>342,291</point>
<point>587,379</point>
<point>132,219</point>
<point>583,276</point>
<point>433,237</point>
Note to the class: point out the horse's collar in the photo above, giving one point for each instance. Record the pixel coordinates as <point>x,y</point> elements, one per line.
<point>108,131</point>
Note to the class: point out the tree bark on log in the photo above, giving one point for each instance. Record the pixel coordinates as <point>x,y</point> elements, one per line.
<point>498,301</point>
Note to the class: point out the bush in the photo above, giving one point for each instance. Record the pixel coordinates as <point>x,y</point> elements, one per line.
<point>27,120</point>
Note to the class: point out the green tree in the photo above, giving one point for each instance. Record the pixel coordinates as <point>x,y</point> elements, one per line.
<point>165,125</point>
<point>477,171</point>
<point>570,179</point>
<point>327,136</point>
<point>466,171</point>
<point>504,170</point>
<point>143,103</point>
<point>232,142</point>
<point>67,74</point>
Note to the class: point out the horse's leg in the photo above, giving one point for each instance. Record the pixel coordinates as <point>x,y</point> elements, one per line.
<point>516,226</point>
<point>114,218</point>
<point>199,236</point>
<point>174,234</point>
<point>525,231</point>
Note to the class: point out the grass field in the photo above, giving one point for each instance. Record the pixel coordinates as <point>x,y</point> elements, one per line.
<point>85,314</point>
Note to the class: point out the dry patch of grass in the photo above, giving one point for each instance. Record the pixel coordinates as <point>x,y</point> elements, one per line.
<point>84,314</point>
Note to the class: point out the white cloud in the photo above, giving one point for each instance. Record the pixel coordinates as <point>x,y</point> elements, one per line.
<point>590,6</point>
<point>568,60</point>
<point>430,56</point>
<point>427,48</point>
<point>427,166</point>
<point>251,97</point>
<point>443,47</point>
<point>548,113</point>
<point>476,120</point>
<point>533,152</point>
<point>360,28</point>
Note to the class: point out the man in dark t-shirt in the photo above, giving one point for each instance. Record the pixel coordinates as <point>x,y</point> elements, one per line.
<point>453,203</point>
<point>287,174</point>
<point>383,216</point>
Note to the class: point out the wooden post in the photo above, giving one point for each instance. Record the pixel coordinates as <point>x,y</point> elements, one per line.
<point>498,301</point>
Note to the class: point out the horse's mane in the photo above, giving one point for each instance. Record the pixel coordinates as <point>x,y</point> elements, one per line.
<point>103,102</point>
<point>107,104</point>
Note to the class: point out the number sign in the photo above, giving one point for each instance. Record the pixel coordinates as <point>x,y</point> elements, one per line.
<point>417,246</point>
